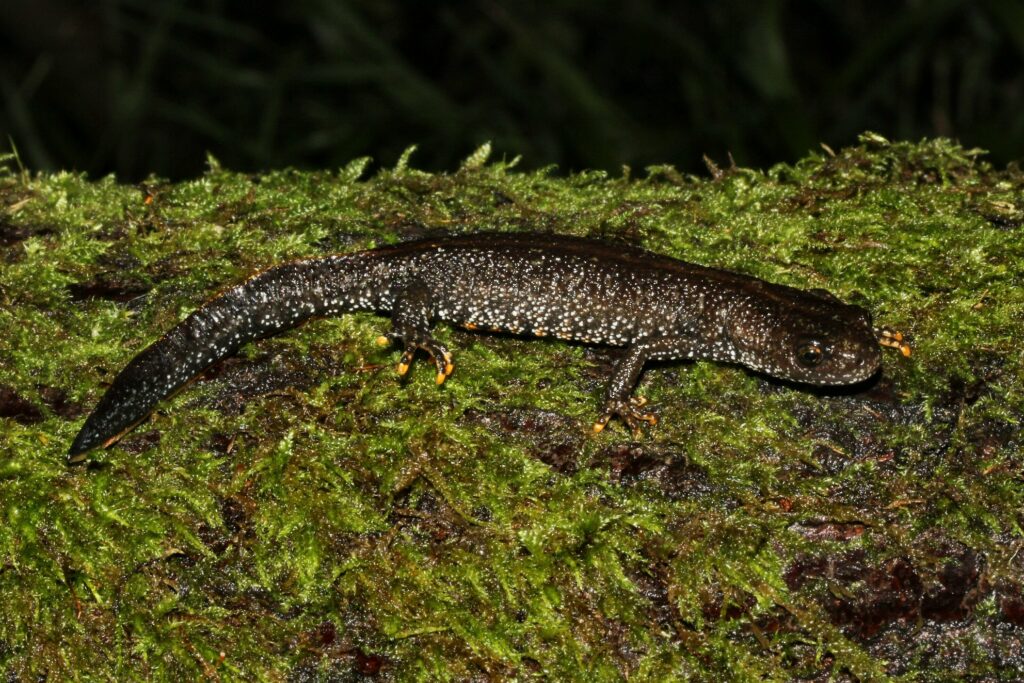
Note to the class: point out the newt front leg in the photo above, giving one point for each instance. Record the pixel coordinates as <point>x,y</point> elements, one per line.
<point>619,400</point>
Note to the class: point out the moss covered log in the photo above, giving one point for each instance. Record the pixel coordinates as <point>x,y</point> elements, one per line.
<point>301,513</point>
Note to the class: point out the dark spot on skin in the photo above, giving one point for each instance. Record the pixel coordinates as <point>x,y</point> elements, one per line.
<point>14,407</point>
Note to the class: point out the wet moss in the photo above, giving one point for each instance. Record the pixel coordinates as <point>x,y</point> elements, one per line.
<point>300,512</point>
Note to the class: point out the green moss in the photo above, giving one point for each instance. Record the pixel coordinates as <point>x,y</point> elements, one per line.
<point>340,519</point>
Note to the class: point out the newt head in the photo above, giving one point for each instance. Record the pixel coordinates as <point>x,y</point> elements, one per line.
<point>809,338</point>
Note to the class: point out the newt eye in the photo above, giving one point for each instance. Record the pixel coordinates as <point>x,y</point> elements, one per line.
<point>810,353</point>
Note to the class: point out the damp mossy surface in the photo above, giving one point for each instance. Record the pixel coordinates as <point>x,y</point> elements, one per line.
<point>301,513</point>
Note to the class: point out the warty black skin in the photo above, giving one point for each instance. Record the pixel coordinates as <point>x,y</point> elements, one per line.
<point>574,289</point>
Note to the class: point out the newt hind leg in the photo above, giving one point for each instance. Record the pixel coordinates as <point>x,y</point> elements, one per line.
<point>410,327</point>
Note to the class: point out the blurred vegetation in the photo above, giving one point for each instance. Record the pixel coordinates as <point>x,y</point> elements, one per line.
<point>148,86</point>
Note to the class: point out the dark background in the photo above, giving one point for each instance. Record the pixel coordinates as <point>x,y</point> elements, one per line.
<point>149,86</point>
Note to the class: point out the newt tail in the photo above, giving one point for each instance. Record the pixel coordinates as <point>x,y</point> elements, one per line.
<point>266,304</point>
<point>657,307</point>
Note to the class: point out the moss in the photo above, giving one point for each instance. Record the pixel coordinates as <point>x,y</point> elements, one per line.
<point>301,512</point>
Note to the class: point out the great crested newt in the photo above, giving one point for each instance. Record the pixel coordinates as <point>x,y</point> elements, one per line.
<point>575,289</point>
